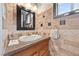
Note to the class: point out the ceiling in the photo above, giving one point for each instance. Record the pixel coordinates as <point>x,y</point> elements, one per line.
<point>37,7</point>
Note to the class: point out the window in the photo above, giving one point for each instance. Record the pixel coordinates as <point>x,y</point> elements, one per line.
<point>62,9</point>
<point>76,6</point>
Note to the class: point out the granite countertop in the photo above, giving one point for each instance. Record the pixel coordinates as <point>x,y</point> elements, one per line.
<point>10,50</point>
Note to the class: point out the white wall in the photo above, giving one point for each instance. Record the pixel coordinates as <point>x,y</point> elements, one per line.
<point>1,31</point>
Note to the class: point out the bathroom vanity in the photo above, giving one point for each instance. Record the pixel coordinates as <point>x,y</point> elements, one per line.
<point>36,48</point>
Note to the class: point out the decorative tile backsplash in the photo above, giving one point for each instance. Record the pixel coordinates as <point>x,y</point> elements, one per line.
<point>62,22</point>
<point>16,35</point>
<point>44,18</point>
<point>49,23</point>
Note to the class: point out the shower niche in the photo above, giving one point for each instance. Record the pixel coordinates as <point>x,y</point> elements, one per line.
<point>25,19</point>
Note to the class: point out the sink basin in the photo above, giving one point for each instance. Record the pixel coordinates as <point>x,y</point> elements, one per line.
<point>29,38</point>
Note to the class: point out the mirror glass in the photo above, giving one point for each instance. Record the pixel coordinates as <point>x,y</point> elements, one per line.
<point>25,19</point>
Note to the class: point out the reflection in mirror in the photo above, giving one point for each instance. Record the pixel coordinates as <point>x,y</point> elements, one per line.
<point>28,19</point>
<point>22,18</point>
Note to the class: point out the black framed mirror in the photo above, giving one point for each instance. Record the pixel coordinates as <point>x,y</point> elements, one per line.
<point>25,19</point>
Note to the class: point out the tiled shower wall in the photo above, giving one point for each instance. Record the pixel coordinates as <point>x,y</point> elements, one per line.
<point>71,22</point>
<point>68,43</point>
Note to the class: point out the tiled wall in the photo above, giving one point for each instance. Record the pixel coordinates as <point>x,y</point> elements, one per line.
<point>69,36</point>
<point>43,18</point>
<point>71,22</point>
<point>67,44</point>
<point>10,22</point>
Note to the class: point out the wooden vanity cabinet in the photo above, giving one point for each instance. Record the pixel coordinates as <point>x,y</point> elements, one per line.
<point>38,49</point>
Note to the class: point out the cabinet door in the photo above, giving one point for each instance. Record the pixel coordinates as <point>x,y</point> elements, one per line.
<point>46,53</point>
<point>35,54</point>
<point>43,47</point>
<point>43,50</point>
<point>27,52</point>
<point>38,49</point>
<point>42,44</point>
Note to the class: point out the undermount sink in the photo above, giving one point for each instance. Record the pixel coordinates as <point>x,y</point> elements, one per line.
<point>29,38</point>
